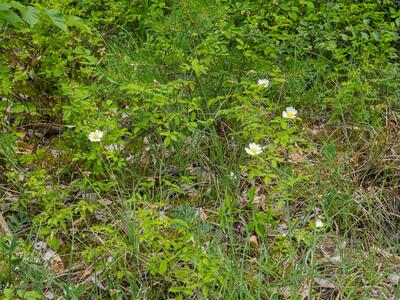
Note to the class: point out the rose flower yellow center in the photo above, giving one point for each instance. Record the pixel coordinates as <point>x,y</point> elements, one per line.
<point>254,150</point>
<point>96,136</point>
<point>289,114</point>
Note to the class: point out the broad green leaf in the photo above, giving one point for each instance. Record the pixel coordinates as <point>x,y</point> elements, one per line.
<point>53,242</point>
<point>18,108</point>
<point>78,23</point>
<point>4,6</point>
<point>56,18</point>
<point>30,15</point>
<point>32,295</point>
<point>10,17</point>
<point>16,5</point>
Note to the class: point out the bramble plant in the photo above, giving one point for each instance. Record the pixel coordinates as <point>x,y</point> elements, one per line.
<point>199,149</point>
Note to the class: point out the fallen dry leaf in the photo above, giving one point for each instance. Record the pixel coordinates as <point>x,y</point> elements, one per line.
<point>324,283</point>
<point>296,157</point>
<point>57,264</point>
<point>88,271</point>
<point>5,230</point>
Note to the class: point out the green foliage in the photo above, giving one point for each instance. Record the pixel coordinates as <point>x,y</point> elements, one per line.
<point>175,255</point>
<point>31,15</point>
<point>167,202</point>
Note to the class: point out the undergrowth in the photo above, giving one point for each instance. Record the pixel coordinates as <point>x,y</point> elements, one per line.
<point>199,149</point>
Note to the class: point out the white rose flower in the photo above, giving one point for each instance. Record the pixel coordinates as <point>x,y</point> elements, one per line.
<point>95,136</point>
<point>263,82</point>
<point>254,149</point>
<point>289,113</point>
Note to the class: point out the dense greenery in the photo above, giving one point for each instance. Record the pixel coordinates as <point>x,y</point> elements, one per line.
<point>124,172</point>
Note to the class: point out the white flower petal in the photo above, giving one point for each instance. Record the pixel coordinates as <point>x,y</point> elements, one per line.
<point>253,149</point>
<point>319,223</point>
<point>249,151</point>
<point>289,113</point>
<point>263,82</point>
<point>95,136</point>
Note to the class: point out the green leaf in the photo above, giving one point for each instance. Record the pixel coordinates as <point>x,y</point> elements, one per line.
<point>198,68</point>
<point>53,242</point>
<point>176,289</point>
<point>10,17</point>
<point>365,35</point>
<point>56,18</point>
<point>375,35</point>
<point>78,23</point>
<point>8,293</point>
<point>16,5</point>
<point>167,141</point>
<point>310,4</point>
<point>30,15</point>
<point>32,295</point>
<point>4,6</point>
<point>163,267</point>
<point>293,15</point>
<point>18,108</point>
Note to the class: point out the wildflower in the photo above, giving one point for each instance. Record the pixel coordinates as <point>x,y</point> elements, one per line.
<point>319,223</point>
<point>253,149</point>
<point>263,82</point>
<point>95,136</point>
<point>289,113</point>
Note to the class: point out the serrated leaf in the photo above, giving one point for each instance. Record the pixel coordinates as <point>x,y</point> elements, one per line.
<point>78,23</point>
<point>56,18</point>
<point>30,15</point>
